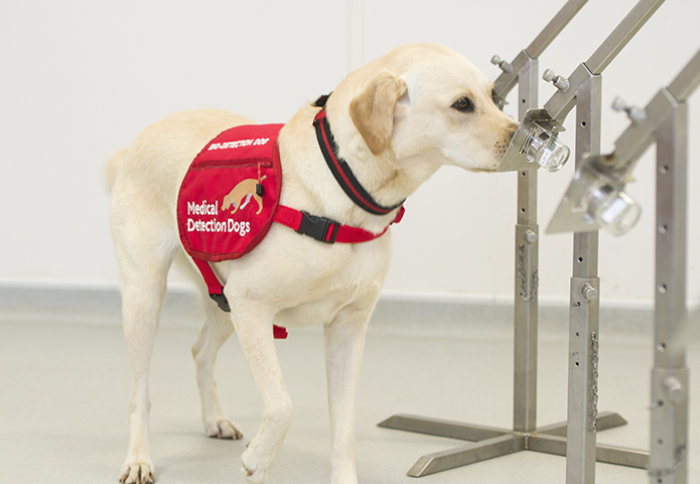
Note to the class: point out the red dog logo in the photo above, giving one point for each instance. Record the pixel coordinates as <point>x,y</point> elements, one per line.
<point>240,196</point>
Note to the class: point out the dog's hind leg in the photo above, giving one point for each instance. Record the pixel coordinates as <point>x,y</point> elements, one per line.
<point>344,343</point>
<point>216,330</point>
<point>144,256</point>
<point>253,324</point>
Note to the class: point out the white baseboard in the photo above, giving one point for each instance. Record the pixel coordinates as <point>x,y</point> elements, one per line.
<point>423,314</point>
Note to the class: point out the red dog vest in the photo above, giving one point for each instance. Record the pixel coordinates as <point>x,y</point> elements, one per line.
<point>230,196</point>
<point>228,200</point>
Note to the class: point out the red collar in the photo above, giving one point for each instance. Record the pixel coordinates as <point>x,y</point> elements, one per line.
<point>340,168</point>
<point>325,229</point>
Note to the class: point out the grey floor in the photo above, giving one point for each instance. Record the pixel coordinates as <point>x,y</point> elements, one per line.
<point>65,388</point>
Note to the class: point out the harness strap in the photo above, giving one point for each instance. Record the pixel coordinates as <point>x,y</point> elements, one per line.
<point>216,292</point>
<point>325,229</point>
<point>320,228</point>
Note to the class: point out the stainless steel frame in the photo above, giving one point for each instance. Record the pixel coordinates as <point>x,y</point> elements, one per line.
<point>575,438</point>
<point>663,120</point>
<point>669,378</point>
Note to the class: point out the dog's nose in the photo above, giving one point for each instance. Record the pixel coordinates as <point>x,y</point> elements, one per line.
<point>512,129</point>
<point>511,132</point>
<point>501,146</point>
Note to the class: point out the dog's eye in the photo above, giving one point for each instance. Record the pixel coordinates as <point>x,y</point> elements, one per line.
<point>464,105</point>
<point>497,100</point>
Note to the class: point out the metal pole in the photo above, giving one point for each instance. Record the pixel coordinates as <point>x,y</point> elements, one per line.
<point>669,383</point>
<point>554,28</point>
<point>584,310</point>
<point>525,312</point>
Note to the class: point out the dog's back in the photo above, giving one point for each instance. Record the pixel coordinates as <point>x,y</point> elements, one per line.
<point>149,172</point>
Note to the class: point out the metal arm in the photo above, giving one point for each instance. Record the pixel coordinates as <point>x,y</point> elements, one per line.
<point>511,71</point>
<point>634,141</point>
<point>550,118</point>
<point>595,198</point>
<point>554,27</point>
<point>559,105</point>
<point>687,80</point>
<point>622,34</point>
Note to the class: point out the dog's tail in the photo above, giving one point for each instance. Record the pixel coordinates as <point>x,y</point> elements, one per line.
<point>113,166</point>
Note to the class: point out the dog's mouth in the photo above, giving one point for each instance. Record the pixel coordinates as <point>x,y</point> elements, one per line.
<point>483,170</point>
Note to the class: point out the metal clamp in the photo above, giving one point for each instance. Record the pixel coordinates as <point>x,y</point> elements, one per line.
<point>535,144</point>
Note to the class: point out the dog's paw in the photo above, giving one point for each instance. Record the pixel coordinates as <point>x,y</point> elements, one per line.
<point>255,466</point>
<point>138,472</point>
<point>222,428</point>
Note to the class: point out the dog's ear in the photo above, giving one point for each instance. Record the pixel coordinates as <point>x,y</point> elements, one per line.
<point>373,110</point>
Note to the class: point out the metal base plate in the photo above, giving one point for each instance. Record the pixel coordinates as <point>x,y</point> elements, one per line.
<point>489,442</point>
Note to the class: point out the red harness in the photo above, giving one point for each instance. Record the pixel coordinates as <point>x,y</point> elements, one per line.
<point>229,198</point>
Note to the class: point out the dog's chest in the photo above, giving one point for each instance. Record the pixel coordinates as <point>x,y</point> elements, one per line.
<point>313,289</point>
<point>327,304</point>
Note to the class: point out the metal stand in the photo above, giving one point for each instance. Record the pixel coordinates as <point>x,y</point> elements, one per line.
<point>582,89</point>
<point>584,309</point>
<point>488,442</point>
<point>669,378</point>
<point>664,119</point>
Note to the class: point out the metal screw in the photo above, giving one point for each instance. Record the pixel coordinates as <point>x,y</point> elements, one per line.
<point>589,292</point>
<point>561,83</point>
<point>530,236</point>
<point>504,65</point>
<point>635,113</point>
<point>674,389</point>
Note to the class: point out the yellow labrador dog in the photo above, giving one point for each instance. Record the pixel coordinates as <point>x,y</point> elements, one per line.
<point>395,121</point>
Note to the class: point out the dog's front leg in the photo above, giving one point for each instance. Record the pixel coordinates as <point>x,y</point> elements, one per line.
<point>253,324</point>
<point>344,341</point>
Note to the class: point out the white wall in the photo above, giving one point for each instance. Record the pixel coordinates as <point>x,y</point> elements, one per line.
<point>81,78</point>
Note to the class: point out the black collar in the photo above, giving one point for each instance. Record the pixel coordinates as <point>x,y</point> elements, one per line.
<point>340,168</point>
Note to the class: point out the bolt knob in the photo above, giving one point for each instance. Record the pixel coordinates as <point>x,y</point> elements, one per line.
<point>674,389</point>
<point>503,64</point>
<point>559,82</point>
<point>619,104</point>
<point>549,75</point>
<point>589,292</point>
<point>635,113</point>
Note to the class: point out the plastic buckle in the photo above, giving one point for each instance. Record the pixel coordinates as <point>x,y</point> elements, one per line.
<point>317,227</point>
<point>221,301</point>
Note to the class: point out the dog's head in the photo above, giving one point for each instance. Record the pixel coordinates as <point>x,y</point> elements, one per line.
<point>426,101</point>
